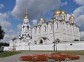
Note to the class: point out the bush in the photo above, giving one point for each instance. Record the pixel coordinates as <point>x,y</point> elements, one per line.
<point>40,57</point>
<point>26,58</point>
<point>73,57</point>
<point>45,57</point>
<point>56,57</point>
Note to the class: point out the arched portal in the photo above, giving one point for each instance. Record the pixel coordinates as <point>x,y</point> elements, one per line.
<point>41,41</point>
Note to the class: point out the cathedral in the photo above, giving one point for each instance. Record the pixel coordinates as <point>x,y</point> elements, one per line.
<point>58,29</point>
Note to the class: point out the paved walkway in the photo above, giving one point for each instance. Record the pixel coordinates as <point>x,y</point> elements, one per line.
<point>15,58</point>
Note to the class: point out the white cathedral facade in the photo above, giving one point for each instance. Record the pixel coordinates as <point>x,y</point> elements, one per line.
<point>44,33</point>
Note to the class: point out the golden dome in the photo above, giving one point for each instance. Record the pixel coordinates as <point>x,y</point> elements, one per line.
<point>59,12</point>
<point>72,17</point>
<point>26,17</point>
<point>63,12</point>
<point>41,19</point>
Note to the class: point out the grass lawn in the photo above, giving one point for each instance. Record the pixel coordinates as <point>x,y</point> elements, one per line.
<point>8,53</point>
<point>66,52</point>
<point>73,52</point>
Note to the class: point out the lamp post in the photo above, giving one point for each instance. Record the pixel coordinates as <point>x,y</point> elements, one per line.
<point>29,46</point>
<point>54,41</point>
<point>53,35</point>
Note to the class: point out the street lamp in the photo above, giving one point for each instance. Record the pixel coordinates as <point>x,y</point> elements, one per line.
<point>54,41</point>
<point>55,45</point>
<point>29,46</point>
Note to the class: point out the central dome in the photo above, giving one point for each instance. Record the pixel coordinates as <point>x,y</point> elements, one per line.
<point>57,12</point>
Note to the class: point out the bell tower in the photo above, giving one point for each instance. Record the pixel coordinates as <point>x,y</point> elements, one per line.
<point>26,30</point>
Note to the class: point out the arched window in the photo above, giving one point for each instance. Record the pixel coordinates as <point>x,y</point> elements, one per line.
<point>44,28</point>
<point>56,25</point>
<point>39,29</point>
<point>41,42</point>
<point>50,26</point>
<point>27,27</point>
<point>35,30</point>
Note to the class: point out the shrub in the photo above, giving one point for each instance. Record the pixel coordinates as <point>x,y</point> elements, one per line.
<point>26,58</point>
<point>45,57</point>
<point>56,57</point>
<point>40,57</point>
<point>73,57</point>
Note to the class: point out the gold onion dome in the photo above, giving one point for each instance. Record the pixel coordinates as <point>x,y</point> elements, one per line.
<point>26,17</point>
<point>59,12</point>
<point>63,12</point>
<point>72,17</point>
<point>41,20</point>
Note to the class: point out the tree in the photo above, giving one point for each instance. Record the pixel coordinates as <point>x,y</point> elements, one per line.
<point>1,33</point>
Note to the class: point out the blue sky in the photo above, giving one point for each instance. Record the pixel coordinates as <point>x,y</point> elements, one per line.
<point>12,12</point>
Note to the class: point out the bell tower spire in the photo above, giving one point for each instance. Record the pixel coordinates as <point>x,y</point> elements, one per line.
<point>26,30</point>
<point>26,20</point>
<point>26,14</point>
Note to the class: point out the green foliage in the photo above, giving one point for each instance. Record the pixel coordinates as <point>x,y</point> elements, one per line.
<point>8,53</point>
<point>1,33</point>
<point>72,52</point>
<point>4,44</point>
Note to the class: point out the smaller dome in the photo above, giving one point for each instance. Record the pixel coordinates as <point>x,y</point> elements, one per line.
<point>72,17</point>
<point>41,20</point>
<point>26,17</point>
<point>63,12</point>
<point>57,12</point>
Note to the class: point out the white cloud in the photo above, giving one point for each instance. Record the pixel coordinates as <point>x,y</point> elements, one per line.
<point>82,35</point>
<point>8,37</point>
<point>9,33</point>
<point>80,20</point>
<point>34,22</point>
<point>79,11</point>
<point>80,2</point>
<point>79,14</point>
<point>35,7</point>
<point>3,20</point>
<point>1,6</point>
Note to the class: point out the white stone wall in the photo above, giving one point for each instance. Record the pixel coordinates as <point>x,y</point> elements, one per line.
<point>62,31</point>
<point>60,46</point>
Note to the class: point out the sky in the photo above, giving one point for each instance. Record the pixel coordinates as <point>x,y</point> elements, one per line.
<point>12,13</point>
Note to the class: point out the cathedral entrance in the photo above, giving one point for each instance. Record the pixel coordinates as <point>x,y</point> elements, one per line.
<point>41,41</point>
